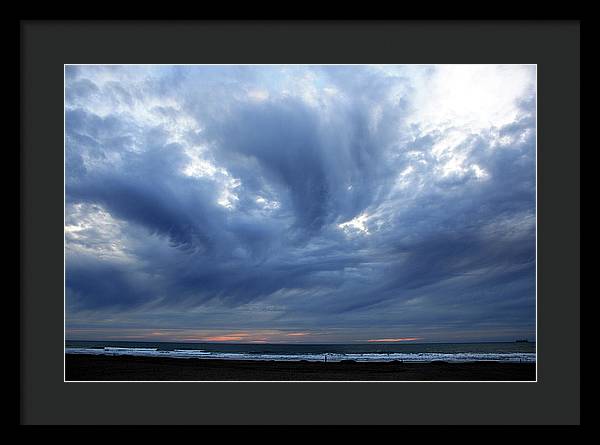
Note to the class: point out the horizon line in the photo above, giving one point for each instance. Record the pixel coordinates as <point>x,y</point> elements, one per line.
<point>356,342</point>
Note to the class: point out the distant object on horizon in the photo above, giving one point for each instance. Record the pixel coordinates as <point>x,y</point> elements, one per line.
<point>522,341</point>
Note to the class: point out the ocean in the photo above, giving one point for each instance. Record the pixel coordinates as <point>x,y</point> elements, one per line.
<point>372,352</point>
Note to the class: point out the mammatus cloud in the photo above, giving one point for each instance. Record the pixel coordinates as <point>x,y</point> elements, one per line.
<point>302,203</point>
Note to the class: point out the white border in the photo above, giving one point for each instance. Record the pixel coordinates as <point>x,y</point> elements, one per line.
<point>295,381</point>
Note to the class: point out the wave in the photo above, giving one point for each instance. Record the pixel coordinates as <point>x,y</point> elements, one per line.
<point>331,357</point>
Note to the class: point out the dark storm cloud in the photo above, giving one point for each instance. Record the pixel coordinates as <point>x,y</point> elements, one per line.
<point>289,148</point>
<point>298,197</point>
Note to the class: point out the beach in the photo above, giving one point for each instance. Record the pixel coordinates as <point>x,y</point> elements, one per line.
<point>82,367</point>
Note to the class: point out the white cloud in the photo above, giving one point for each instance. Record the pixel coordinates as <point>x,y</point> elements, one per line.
<point>91,230</point>
<point>356,225</point>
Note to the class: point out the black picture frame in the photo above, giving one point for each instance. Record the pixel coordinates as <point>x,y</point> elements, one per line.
<point>45,46</point>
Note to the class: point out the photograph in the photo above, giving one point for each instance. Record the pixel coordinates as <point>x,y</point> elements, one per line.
<point>300,222</point>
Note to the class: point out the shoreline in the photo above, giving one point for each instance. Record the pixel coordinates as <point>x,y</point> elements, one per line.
<point>83,367</point>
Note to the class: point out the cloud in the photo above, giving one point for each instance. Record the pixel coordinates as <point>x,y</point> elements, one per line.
<point>393,200</point>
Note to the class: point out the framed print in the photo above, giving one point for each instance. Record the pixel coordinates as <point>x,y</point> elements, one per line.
<point>320,218</point>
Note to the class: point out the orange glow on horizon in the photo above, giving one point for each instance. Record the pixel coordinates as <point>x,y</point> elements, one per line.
<point>225,338</point>
<point>387,340</point>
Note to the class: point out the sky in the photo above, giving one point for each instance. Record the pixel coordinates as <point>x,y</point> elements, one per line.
<point>300,203</point>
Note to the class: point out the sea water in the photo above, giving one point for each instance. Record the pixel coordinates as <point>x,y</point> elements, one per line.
<point>380,352</point>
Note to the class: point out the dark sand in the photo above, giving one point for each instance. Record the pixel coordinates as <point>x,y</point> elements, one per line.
<point>99,367</point>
